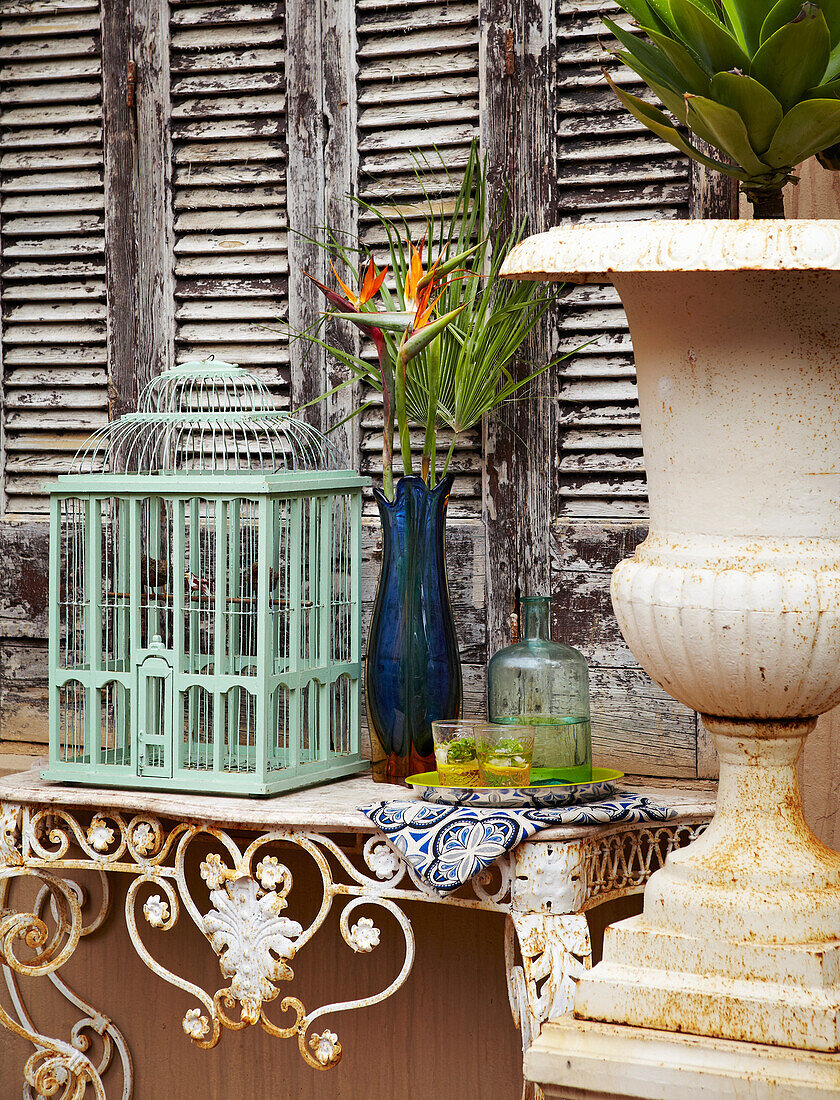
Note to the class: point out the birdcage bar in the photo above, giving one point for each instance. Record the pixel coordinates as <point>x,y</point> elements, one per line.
<point>93,631</point>
<point>135,612</point>
<point>261,593</point>
<point>226,564</point>
<point>295,633</point>
<point>353,618</point>
<point>325,578</point>
<point>54,620</point>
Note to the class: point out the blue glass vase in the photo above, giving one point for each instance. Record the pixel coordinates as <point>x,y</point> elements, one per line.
<point>413,671</point>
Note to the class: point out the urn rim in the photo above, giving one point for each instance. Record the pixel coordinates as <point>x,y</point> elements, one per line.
<point>596,252</point>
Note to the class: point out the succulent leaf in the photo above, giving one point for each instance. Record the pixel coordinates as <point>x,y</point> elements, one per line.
<point>795,58</point>
<point>831,11</point>
<point>649,56</point>
<point>708,7</point>
<point>779,16</point>
<point>746,18</point>
<point>760,110</point>
<point>695,78</point>
<point>806,129</point>
<point>673,100</point>
<point>726,131</point>
<point>662,9</point>
<point>825,91</point>
<point>715,46</point>
<point>832,69</point>
<point>642,13</point>
<point>656,121</point>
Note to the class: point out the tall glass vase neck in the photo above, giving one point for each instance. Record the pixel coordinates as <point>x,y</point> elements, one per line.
<point>535,612</point>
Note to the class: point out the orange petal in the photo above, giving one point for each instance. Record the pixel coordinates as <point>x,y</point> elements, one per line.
<point>372,282</point>
<point>415,271</point>
<point>368,276</point>
<point>348,293</point>
<point>379,280</point>
<point>427,310</point>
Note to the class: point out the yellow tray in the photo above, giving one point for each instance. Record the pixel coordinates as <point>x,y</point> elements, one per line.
<point>542,796</point>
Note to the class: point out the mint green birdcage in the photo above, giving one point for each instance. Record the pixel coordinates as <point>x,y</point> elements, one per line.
<point>205,597</point>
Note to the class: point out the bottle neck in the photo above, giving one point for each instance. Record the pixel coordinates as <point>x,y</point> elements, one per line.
<point>535,612</point>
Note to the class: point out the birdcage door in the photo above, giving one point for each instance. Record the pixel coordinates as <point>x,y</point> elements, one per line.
<point>154,717</point>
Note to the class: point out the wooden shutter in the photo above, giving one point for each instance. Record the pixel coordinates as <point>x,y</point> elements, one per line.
<point>417,88</point>
<point>52,285</point>
<point>228,127</point>
<point>608,167</point>
<point>418,92</point>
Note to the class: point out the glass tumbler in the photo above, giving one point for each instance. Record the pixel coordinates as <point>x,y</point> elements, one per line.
<point>455,755</point>
<point>504,754</point>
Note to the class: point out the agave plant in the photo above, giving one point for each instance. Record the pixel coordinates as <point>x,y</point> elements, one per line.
<point>757,80</point>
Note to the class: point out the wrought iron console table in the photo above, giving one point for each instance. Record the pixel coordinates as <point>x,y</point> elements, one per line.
<point>246,909</point>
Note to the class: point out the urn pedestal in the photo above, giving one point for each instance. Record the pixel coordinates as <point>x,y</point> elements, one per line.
<point>732,605</point>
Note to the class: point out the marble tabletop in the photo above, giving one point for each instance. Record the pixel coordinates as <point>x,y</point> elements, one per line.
<point>332,807</point>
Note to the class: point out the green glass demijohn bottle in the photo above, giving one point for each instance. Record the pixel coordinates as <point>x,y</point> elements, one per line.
<point>546,684</point>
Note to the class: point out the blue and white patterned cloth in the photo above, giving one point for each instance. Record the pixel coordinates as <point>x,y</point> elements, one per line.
<point>446,846</point>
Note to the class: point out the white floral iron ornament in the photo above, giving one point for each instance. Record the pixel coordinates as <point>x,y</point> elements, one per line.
<point>254,944</point>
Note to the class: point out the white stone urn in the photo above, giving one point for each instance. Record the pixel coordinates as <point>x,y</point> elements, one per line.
<point>732,605</point>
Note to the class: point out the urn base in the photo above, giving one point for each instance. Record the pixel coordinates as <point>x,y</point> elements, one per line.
<point>581,1060</point>
<point>740,934</point>
<point>780,994</point>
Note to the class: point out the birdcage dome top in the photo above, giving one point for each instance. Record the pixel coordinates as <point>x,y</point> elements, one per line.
<point>207,417</point>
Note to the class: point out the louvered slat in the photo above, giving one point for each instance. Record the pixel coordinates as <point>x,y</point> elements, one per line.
<point>417,87</point>
<point>609,167</point>
<point>52,285</point>
<point>228,136</point>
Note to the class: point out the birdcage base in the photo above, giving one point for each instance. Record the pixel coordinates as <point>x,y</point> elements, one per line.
<point>196,780</point>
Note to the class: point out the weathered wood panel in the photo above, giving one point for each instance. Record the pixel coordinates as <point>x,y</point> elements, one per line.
<point>711,194</point>
<point>305,139</point>
<point>636,726</point>
<point>231,163</point>
<point>341,170</point>
<point>120,241</point>
<point>155,318</point>
<point>608,167</point>
<point>517,42</point>
<point>23,632</point>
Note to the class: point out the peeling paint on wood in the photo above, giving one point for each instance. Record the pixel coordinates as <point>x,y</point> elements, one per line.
<point>516,42</point>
